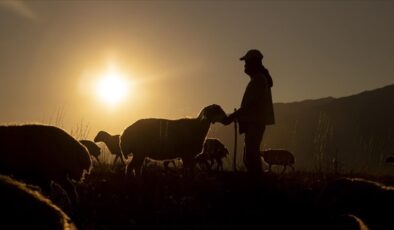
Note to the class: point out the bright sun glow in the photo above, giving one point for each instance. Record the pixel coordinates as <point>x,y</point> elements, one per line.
<point>112,87</point>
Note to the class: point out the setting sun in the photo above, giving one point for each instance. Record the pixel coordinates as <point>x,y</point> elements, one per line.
<point>112,87</point>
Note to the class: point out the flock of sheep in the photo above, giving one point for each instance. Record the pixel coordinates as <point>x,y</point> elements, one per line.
<point>41,155</point>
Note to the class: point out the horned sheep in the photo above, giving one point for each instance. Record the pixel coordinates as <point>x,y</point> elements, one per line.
<point>42,154</point>
<point>162,139</point>
<point>278,157</point>
<point>112,142</point>
<point>23,207</point>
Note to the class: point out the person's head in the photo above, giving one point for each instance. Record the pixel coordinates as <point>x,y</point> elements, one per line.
<point>252,60</point>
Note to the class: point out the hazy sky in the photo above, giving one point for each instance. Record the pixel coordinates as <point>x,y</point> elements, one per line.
<point>183,55</point>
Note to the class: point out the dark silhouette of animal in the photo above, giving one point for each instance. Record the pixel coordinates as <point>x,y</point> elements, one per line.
<point>23,207</point>
<point>166,163</point>
<point>278,157</point>
<point>162,139</point>
<point>93,148</point>
<point>41,154</point>
<point>390,159</point>
<point>213,151</point>
<point>112,142</point>
<point>368,200</point>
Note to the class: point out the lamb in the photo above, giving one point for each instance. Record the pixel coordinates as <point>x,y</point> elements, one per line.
<point>41,154</point>
<point>112,142</point>
<point>93,148</point>
<point>360,197</point>
<point>22,207</point>
<point>213,151</point>
<point>166,163</point>
<point>162,139</point>
<point>278,157</point>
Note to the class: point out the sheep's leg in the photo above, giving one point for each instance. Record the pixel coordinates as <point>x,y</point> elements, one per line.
<point>136,164</point>
<point>116,157</point>
<point>208,164</point>
<point>166,165</point>
<point>204,164</point>
<point>121,159</point>
<point>269,167</point>
<point>211,163</point>
<point>188,167</point>
<point>219,164</point>
<point>96,157</point>
<point>145,164</point>
<point>284,168</point>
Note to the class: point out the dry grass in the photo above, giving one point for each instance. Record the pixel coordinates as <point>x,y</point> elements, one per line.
<point>226,200</point>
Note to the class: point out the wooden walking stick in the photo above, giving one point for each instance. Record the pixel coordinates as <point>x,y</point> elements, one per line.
<point>235,144</point>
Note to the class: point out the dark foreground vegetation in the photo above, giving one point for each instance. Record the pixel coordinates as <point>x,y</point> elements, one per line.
<point>162,199</point>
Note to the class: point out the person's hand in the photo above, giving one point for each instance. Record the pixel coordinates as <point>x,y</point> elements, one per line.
<point>228,120</point>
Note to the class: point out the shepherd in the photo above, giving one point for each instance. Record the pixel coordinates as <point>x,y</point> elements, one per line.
<point>256,110</point>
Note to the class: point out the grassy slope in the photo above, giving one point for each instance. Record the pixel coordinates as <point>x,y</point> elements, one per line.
<point>225,200</point>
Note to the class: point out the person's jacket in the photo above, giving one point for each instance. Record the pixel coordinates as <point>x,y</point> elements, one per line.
<point>256,106</point>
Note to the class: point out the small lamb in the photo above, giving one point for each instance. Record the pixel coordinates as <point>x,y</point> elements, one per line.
<point>112,143</point>
<point>278,157</point>
<point>213,151</point>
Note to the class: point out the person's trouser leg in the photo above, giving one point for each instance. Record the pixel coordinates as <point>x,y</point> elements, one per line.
<point>253,137</point>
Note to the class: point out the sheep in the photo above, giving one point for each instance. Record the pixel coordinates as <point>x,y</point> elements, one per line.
<point>42,154</point>
<point>368,200</point>
<point>390,159</point>
<point>23,207</point>
<point>93,148</point>
<point>347,221</point>
<point>166,163</point>
<point>278,157</point>
<point>163,139</point>
<point>112,142</point>
<point>213,151</point>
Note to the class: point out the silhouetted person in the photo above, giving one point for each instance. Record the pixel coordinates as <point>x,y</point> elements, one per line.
<point>256,109</point>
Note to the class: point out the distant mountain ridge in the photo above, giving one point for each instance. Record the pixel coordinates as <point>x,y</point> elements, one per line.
<point>352,133</point>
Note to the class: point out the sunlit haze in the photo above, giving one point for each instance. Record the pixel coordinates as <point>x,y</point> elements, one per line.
<point>171,58</point>
<point>112,87</point>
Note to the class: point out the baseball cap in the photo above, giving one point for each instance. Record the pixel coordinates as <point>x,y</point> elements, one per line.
<point>252,54</point>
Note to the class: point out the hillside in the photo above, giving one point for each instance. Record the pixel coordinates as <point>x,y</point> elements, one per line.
<point>348,134</point>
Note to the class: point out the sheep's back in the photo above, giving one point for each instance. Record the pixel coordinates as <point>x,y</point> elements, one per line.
<point>43,151</point>
<point>163,139</point>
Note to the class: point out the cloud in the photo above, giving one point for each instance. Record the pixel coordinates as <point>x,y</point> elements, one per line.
<point>18,7</point>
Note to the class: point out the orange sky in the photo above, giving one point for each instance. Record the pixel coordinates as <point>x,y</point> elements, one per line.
<point>182,56</point>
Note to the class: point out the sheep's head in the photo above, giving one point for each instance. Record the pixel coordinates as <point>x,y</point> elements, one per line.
<point>213,113</point>
<point>101,136</point>
<point>83,164</point>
